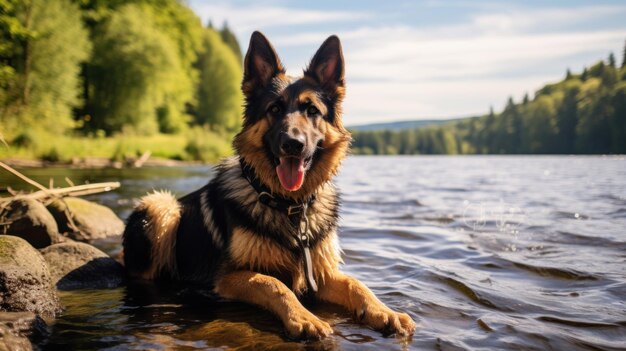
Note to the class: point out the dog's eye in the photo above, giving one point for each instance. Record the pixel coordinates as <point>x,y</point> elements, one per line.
<point>312,110</point>
<point>274,109</point>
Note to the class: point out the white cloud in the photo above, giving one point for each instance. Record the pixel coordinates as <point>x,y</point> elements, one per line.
<point>409,56</point>
<point>515,20</point>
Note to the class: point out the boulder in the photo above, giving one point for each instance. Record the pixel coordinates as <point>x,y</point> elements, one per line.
<point>75,265</point>
<point>30,220</point>
<point>25,283</point>
<point>18,329</point>
<point>92,221</point>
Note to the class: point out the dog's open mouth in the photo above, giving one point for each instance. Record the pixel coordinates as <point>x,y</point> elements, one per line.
<point>291,171</point>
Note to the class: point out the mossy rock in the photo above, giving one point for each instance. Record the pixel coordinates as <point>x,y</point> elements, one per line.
<point>30,220</point>
<point>92,221</point>
<point>75,265</point>
<point>25,282</point>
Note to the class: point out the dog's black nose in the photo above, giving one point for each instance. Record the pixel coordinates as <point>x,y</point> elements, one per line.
<point>292,145</point>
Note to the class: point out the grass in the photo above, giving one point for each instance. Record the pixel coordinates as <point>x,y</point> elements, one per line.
<point>196,144</point>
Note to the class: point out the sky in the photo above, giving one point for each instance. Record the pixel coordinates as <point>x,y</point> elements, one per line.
<point>408,60</point>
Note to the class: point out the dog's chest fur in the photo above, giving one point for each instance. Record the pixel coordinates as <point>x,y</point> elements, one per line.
<point>248,235</point>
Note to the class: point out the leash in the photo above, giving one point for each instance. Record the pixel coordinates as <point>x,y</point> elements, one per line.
<point>295,211</point>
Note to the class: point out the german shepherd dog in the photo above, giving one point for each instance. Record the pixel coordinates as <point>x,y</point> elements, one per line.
<point>264,229</point>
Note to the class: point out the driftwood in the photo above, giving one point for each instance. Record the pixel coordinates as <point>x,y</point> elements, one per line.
<point>141,160</point>
<point>47,195</point>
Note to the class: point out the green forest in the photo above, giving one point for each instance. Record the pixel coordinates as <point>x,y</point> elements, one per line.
<point>582,114</point>
<point>115,79</point>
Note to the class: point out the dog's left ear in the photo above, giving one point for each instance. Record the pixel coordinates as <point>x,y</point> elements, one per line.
<point>261,63</point>
<point>327,66</point>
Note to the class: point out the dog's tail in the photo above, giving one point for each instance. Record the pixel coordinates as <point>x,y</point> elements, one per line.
<point>150,236</point>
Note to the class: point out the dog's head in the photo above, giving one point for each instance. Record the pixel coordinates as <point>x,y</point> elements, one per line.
<point>293,135</point>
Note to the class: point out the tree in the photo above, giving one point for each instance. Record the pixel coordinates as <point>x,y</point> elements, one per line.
<point>624,56</point>
<point>489,133</point>
<point>229,38</point>
<point>219,96</point>
<point>567,119</point>
<point>140,83</point>
<point>39,74</point>
<point>172,19</point>
<point>509,130</point>
<point>568,74</point>
<point>584,75</point>
<point>593,133</point>
<point>617,121</point>
<point>611,60</point>
<point>541,125</point>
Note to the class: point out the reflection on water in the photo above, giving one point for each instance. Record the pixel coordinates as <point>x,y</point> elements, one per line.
<point>484,252</point>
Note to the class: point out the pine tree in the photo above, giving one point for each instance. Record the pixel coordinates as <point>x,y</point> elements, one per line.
<point>567,118</point>
<point>568,74</point>
<point>624,56</point>
<point>584,75</point>
<point>516,129</point>
<point>228,37</point>
<point>488,133</point>
<point>611,60</point>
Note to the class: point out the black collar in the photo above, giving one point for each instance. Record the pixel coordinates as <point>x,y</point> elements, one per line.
<point>267,197</point>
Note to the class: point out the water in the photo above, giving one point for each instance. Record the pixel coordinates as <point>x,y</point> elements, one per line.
<point>483,252</point>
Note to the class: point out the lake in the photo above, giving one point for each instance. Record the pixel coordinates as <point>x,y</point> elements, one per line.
<point>484,252</point>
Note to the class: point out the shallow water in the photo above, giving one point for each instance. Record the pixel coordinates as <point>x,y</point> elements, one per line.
<point>484,252</point>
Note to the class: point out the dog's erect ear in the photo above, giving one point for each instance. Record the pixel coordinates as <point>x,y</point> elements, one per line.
<point>327,66</point>
<point>261,63</point>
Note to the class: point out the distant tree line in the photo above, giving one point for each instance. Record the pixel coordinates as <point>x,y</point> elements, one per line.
<point>107,67</point>
<point>582,114</point>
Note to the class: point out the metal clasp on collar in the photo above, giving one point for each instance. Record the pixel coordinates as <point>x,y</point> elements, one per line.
<point>294,209</point>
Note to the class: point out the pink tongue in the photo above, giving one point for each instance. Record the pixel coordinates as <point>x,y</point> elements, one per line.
<point>291,172</point>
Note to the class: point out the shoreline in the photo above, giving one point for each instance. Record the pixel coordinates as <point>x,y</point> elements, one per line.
<point>99,162</point>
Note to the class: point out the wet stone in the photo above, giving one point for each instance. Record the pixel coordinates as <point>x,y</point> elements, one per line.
<point>30,220</point>
<point>75,265</point>
<point>91,221</point>
<point>25,283</point>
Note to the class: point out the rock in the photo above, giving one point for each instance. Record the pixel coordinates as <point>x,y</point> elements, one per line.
<point>92,221</point>
<point>30,220</point>
<point>16,328</point>
<point>75,265</point>
<point>25,283</point>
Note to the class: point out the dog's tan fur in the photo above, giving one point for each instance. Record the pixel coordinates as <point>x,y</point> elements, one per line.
<point>163,216</point>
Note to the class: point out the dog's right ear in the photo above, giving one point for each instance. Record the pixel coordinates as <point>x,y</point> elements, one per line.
<point>261,63</point>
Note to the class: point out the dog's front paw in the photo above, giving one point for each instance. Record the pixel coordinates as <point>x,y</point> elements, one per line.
<point>305,325</point>
<point>386,320</point>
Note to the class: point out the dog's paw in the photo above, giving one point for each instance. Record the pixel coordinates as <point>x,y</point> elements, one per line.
<point>389,322</point>
<point>305,325</point>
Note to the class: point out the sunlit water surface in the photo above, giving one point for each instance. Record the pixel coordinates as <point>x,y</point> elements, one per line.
<point>483,252</point>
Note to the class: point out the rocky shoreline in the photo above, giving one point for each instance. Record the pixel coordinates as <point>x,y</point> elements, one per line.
<point>44,248</point>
